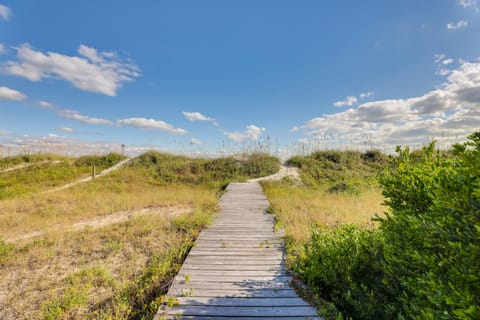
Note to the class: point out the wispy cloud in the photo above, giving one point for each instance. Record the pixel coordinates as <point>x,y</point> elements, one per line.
<point>2,48</point>
<point>65,129</point>
<point>91,71</point>
<point>457,25</point>
<point>5,12</point>
<point>11,94</point>
<point>348,102</point>
<point>151,124</point>
<point>197,116</point>
<point>451,110</point>
<point>46,105</point>
<point>365,95</point>
<point>195,141</point>
<point>466,3</point>
<point>252,133</point>
<point>75,115</point>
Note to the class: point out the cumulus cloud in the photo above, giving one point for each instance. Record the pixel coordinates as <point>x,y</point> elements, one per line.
<point>91,71</point>
<point>457,25</point>
<point>151,124</point>
<point>46,105</point>
<point>451,110</point>
<point>252,133</point>
<point>11,94</point>
<point>5,12</point>
<point>348,102</point>
<point>447,61</point>
<point>75,115</point>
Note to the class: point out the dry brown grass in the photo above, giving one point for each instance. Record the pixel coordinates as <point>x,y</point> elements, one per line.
<point>80,271</point>
<point>125,189</point>
<point>73,274</point>
<point>299,208</point>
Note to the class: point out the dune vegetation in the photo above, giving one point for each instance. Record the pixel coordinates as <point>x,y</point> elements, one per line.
<point>418,257</point>
<point>117,270</point>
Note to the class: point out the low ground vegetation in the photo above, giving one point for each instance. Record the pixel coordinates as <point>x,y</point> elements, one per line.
<point>119,271</point>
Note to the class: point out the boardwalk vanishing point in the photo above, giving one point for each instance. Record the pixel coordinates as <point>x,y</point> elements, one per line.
<point>236,269</point>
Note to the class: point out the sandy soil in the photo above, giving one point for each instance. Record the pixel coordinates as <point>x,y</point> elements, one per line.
<point>102,221</point>
<point>284,171</point>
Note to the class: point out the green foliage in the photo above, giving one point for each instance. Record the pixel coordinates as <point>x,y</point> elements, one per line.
<point>432,234</point>
<point>42,176</point>
<point>166,168</point>
<point>340,171</point>
<point>102,162</point>
<point>344,265</point>
<point>27,158</point>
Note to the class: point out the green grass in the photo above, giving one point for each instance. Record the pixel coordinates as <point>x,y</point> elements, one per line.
<point>43,176</point>
<point>9,162</point>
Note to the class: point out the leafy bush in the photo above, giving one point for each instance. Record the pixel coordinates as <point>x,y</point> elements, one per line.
<point>344,265</point>
<point>105,161</point>
<point>432,234</point>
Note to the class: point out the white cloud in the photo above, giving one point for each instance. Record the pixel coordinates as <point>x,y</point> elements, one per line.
<point>75,115</point>
<point>457,25</point>
<point>2,48</point>
<point>10,94</point>
<point>348,102</point>
<point>91,71</point>
<point>466,3</point>
<point>143,123</point>
<point>5,12</point>
<point>46,105</point>
<point>252,133</point>
<point>443,72</point>
<point>439,57</point>
<point>364,95</point>
<point>447,114</point>
<point>195,142</point>
<point>197,116</point>
<point>447,61</point>
<point>65,129</point>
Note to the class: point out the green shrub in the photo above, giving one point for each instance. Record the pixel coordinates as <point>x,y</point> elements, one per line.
<point>344,266</point>
<point>432,234</point>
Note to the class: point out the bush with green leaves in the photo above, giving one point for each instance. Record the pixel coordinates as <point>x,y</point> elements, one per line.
<point>432,232</point>
<point>344,265</point>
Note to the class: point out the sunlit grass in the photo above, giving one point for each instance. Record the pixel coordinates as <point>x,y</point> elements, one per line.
<point>299,208</point>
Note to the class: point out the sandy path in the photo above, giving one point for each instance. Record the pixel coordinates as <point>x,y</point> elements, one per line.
<point>284,171</point>
<point>102,221</point>
<point>26,165</point>
<point>104,172</point>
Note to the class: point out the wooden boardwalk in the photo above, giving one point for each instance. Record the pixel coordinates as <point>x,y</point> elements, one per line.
<point>236,270</point>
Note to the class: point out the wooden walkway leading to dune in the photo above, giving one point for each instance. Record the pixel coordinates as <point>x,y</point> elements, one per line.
<point>237,270</point>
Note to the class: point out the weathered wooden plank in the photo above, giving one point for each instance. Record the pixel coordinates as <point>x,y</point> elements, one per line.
<point>255,285</point>
<point>232,267</point>
<point>242,311</point>
<point>173,317</point>
<point>196,274</point>
<point>242,302</point>
<point>237,278</point>
<point>234,292</point>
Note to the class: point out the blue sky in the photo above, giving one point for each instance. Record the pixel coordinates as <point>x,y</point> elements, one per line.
<point>207,76</point>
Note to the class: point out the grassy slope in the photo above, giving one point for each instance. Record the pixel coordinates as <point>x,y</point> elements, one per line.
<point>116,271</point>
<point>42,176</point>
<point>339,188</point>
